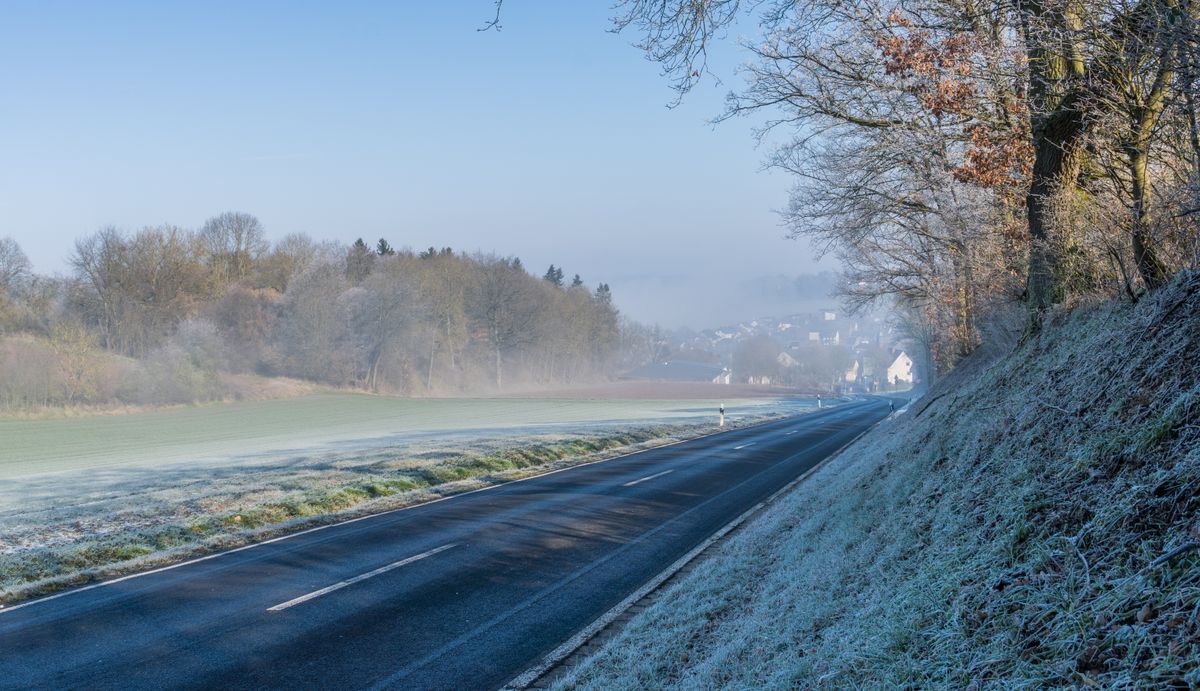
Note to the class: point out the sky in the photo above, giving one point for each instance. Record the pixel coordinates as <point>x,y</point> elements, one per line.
<point>549,139</point>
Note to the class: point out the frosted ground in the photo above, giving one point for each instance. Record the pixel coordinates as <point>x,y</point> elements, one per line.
<point>1033,522</point>
<point>82,498</point>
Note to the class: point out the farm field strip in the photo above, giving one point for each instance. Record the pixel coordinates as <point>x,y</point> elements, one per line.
<point>257,430</point>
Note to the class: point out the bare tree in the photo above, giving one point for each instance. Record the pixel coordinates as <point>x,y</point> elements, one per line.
<point>314,327</point>
<point>99,262</point>
<point>927,94</point>
<point>388,308</point>
<point>504,305</point>
<point>15,268</point>
<point>234,241</point>
<point>445,281</point>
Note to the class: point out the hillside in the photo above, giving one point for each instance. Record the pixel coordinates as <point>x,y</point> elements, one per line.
<point>1033,521</point>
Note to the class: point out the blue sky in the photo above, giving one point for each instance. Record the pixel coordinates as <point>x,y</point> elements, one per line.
<point>549,139</point>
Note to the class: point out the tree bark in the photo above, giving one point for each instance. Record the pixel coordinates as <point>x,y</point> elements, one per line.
<point>1056,82</point>
<point>1058,149</point>
<point>965,336</point>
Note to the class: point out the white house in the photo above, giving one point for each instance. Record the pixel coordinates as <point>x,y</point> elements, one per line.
<point>900,371</point>
<point>852,373</point>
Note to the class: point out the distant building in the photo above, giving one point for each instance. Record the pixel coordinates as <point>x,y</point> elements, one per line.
<point>853,372</point>
<point>786,360</point>
<point>901,370</point>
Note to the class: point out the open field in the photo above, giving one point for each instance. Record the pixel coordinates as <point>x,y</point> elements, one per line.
<point>80,495</point>
<point>246,431</point>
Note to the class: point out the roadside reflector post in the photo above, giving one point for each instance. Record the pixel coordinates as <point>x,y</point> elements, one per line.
<point>722,412</point>
<point>818,401</point>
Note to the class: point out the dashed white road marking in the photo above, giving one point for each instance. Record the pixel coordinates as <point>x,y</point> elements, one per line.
<point>648,477</point>
<point>362,577</point>
<point>743,446</point>
<point>793,431</point>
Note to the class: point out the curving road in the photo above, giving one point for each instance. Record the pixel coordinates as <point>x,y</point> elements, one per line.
<point>459,594</point>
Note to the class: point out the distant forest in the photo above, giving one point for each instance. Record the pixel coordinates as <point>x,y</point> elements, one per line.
<point>171,315</point>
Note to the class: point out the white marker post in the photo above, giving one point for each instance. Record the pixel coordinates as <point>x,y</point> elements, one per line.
<point>722,411</point>
<point>818,401</point>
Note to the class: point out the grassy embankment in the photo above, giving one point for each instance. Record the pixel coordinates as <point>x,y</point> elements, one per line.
<point>88,498</point>
<point>1033,522</point>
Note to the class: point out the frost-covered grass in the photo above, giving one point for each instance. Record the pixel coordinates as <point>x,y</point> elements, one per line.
<point>276,467</point>
<point>1034,524</point>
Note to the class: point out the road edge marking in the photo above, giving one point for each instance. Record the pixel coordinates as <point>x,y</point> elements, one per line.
<point>581,637</point>
<point>648,477</point>
<point>359,578</point>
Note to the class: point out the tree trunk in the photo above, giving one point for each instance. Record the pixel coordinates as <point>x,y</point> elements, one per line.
<point>1152,269</point>
<point>450,343</point>
<point>1193,130</point>
<point>499,377</point>
<point>1058,149</point>
<point>964,276</point>
<point>373,370</point>
<point>429,375</point>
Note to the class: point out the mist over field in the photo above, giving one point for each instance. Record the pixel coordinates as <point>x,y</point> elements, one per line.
<point>716,298</point>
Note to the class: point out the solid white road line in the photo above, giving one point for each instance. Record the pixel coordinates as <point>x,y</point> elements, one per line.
<point>648,477</point>
<point>743,446</point>
<point>351,581</point>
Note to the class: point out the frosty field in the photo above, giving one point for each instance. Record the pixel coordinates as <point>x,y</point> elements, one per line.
<point>82,498</point>
<point>245,431</point>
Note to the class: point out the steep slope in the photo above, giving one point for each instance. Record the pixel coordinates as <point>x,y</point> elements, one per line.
<point>1034,524</point>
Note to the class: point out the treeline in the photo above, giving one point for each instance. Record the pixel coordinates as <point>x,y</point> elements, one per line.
<point>168,314</point>
<point>962,159</point>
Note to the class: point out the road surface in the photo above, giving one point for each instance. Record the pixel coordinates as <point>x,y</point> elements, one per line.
<point>463,593</point>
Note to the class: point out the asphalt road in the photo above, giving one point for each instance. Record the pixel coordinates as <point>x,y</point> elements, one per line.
<point>463,593</point>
